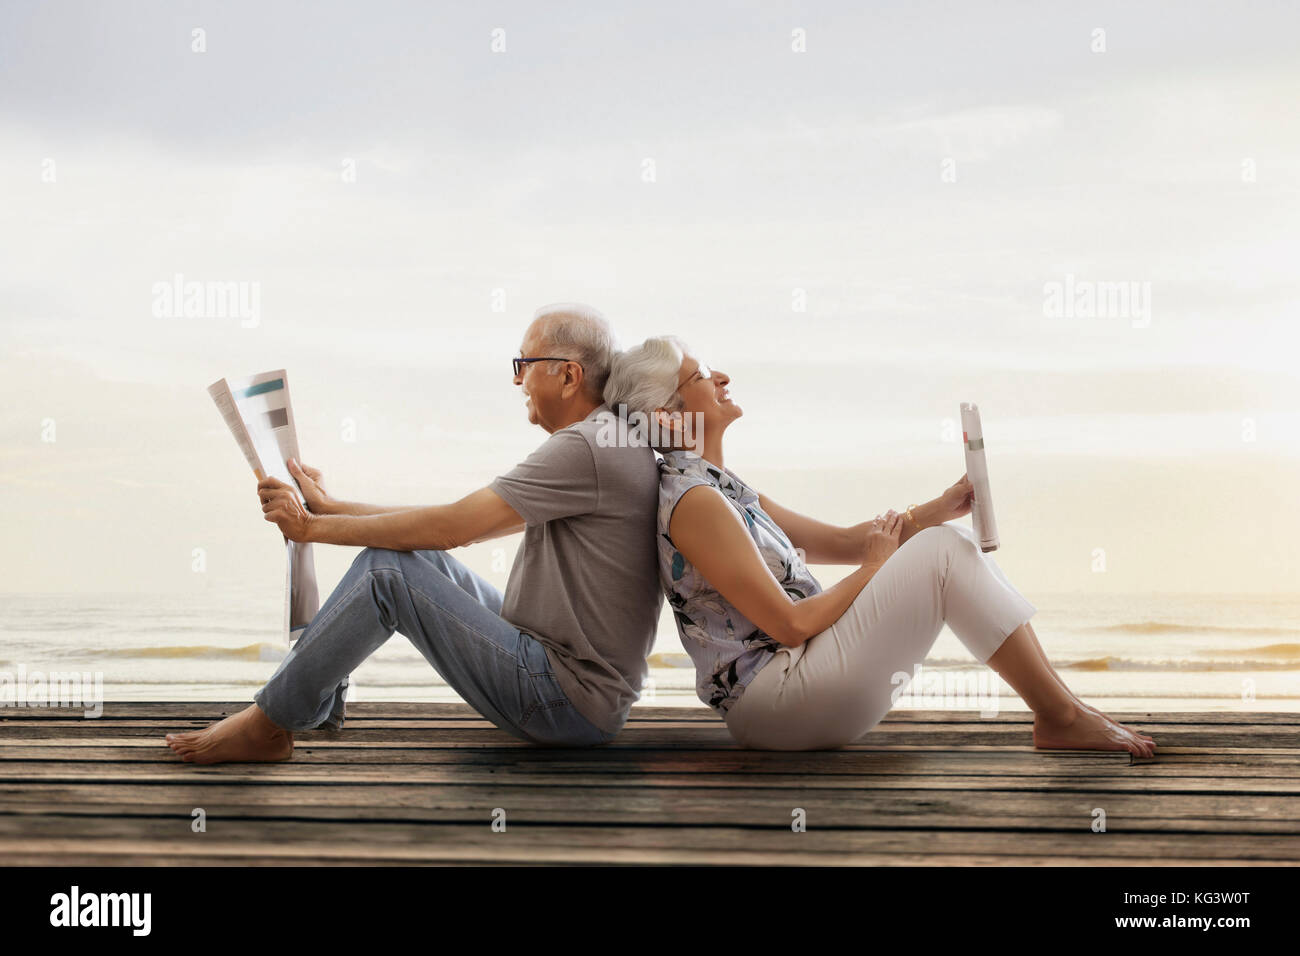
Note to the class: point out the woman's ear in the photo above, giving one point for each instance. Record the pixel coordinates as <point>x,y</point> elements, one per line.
<point>665,420</point>
<point>668,426</point>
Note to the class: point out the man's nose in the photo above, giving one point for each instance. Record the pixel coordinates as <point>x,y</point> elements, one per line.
<point>722,377</point>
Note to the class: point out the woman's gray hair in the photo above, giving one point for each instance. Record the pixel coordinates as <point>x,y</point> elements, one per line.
<point>581,334</point>
<point>644,378</point>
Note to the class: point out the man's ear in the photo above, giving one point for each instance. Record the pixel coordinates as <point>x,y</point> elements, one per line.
<point>572,383</point>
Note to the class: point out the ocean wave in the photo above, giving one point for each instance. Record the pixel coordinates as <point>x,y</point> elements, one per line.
<point>261,651</point>
<point>37,625</point>
<point>44,625</point>
<point>669,660</point>
<point>1164,627</point>
<point>1285,651</point>
<point>1111,663</point>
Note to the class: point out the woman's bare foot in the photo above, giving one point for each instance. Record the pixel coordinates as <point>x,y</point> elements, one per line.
<point>1082,705</point>
<point>246,737</point>
<point>1089,729</point>
<point>1033,637</point>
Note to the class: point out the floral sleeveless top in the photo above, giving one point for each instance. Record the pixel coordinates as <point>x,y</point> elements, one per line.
<point>728,650</point>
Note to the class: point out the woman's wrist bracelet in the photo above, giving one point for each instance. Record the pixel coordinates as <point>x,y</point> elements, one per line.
<point>912,516</point>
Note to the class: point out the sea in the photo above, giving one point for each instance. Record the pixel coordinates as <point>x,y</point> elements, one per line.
<point>1120,652</point>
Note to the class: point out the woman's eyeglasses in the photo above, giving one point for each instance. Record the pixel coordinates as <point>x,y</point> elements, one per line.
<point>519,363</point>
<point>703,373</point>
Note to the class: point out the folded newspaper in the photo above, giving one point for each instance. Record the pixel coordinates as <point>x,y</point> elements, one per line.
<point>977,470</point>
<point>259,414</point>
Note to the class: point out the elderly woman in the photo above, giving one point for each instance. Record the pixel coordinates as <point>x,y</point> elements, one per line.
<point>787,664</point>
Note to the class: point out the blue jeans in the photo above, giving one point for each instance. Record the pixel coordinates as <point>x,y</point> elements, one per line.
<point>454,618</point>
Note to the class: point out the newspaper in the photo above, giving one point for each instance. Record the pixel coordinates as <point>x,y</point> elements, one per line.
<point>977,470</point>
<point>259,414</point>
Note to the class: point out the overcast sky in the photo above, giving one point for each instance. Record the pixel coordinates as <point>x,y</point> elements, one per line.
<point>862,234</point>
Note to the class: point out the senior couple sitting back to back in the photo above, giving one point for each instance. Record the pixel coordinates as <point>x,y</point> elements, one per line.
<point>609,529</point>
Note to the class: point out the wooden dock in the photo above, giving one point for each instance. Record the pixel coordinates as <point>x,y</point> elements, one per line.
<point>422,784</point>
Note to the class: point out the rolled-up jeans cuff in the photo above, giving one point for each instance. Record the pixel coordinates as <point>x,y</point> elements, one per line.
<point>335,719</point>
<point>286,721</point>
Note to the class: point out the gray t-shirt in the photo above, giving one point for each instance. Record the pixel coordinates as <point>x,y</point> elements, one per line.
<point>585,582</point>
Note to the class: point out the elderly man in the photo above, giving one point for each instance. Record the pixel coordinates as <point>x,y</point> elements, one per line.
<point>560,658</point>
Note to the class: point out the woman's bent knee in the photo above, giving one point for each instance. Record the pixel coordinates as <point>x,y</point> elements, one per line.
<point>941,534</point>
<point>945,539</point>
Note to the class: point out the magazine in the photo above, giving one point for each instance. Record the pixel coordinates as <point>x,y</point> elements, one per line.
<point>977,470</point>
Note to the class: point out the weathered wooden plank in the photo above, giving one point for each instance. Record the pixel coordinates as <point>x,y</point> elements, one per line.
<point>432,775</point>
<point>1000,729</point>
<point>942,771</point>
<point>677,736</point>
<point>77,857</point>
<point>1241,786</point>
<point>398,761</point>
<point>859,764</point>
<point>37,838</point>
<point>140,756</point>
<point>1013,809</point>
<point>432,710</point>
<point>648,858</point>
<point>326,775</point>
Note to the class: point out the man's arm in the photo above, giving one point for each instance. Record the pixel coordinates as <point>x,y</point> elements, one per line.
<point>356,508</point>
<point>310,480</point>
<point>555,481</point>
<point>476,517</point>
<point>824,543</point>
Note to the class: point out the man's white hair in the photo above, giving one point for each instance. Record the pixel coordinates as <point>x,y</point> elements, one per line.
<point>644,378</point>
<point>581,334</point>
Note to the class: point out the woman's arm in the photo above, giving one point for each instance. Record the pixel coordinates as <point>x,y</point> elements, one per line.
<point>927,516</point>
<point>830,544</point>
<point>822,543</point>
<point>709,534</point>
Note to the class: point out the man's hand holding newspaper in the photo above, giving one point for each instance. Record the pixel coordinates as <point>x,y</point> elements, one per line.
<point>281,505</point>
<point>312,482</point>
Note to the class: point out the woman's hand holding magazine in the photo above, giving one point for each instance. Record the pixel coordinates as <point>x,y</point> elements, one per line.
<point>956,501</point>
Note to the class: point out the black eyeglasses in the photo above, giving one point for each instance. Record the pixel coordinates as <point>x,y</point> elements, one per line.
<point>519,363</point>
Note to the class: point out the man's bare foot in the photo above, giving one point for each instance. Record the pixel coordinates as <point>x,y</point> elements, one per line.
<point>246,737</point>
<point>1089,729</point>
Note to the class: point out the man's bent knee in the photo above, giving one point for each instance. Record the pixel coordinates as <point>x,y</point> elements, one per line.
<point>379,557</point>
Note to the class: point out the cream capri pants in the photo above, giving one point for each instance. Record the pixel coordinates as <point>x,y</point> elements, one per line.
<point>837,685</point>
